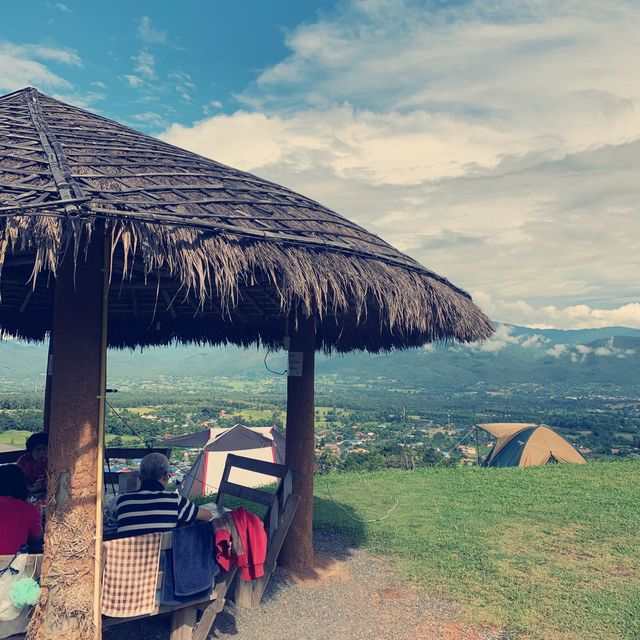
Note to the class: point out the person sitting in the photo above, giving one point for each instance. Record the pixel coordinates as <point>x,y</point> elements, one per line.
<point>34,462</point>
<point>152,508</point>
<point>21,522</point>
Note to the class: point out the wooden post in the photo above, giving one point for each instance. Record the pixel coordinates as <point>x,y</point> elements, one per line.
<point>69,606</point>
<point>297,551</point>
<point>182,623</point>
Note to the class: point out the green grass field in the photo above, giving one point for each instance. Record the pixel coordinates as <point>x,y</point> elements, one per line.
<point>545,553</point>
<point>14,437</point>
<point>17,438</point>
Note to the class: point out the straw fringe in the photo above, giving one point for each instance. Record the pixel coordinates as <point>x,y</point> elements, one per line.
<point>325,284</point>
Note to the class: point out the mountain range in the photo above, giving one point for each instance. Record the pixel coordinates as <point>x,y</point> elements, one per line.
<point>513,355</point>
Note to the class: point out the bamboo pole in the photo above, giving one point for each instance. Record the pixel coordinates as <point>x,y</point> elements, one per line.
<point>97,615</point>
<point>297,551</point>
<point>47,388</point>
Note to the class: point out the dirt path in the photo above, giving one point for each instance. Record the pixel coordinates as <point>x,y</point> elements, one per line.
<point>351,596</point>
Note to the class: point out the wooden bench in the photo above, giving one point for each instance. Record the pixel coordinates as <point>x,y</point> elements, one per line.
<point>193,620</point>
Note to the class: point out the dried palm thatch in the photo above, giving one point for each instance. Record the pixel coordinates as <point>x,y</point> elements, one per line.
<point>200,251</point>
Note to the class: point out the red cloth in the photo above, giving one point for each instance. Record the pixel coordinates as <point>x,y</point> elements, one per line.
<point>225,555</point>
<point>20,521</point>
<point>254,544</point>
<point>35,471</point>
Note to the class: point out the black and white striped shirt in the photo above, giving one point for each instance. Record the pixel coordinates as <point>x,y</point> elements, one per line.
<point>152,508</point>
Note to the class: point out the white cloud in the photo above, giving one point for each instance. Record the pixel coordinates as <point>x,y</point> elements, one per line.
<point>504,337</point>
<point>83,100</point>
<point>145,64</point>
<point>579,316</point>
<point>211,107</point>
<point>183,85</point>
<point>610,350</point>
<point>500,152</point>
<point>20,66</point>
<point>557,350</point>
<point>134,81</point>
<point>62,7</point>
<point>150,119</point>
<point>500,339</point>
<point>579,353</point>
<point>244,139</point>
<point>148,34</point>
<point>61,55</point>
<point>535,340</point>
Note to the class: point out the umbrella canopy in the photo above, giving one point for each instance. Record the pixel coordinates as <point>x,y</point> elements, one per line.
<point>200,251</point>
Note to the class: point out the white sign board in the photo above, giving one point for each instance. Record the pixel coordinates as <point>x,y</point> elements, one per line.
<point>295,363</point>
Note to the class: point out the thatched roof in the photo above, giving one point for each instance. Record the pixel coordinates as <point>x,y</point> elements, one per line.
<point>201,251</point>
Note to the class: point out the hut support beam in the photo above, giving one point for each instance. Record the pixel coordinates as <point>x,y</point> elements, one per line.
<point>297,552</point>
<point>70,580</point>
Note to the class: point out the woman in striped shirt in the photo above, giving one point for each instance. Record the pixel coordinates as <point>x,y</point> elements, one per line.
<point>152,508</point>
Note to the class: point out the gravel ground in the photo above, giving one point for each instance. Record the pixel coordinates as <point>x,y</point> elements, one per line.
<point>352,595</point>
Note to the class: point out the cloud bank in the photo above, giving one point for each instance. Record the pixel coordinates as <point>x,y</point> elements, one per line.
<point>495,142</point>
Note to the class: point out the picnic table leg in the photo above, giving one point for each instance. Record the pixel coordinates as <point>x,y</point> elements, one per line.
<point>201,631</point>
<point>243,596</point>
<point>182,623</point>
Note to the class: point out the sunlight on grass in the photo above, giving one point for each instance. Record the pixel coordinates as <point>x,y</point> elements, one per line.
<point>546,553</point>
<point>14,437</point>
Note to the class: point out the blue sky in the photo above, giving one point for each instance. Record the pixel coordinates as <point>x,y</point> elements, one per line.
<point>131,58</point>
<point>498,142</point>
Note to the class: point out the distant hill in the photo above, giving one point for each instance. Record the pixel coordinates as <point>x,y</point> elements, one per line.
<point>514,355</point>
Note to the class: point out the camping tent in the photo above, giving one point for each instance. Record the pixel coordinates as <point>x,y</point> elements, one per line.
<point>259,443</point>
<point>522,444</point>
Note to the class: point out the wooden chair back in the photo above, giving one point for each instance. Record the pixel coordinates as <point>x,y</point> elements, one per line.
<point>275,502</point>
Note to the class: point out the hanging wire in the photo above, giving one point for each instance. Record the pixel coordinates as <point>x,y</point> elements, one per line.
<point>146,443</point>
<point>464,437</point>
<point>278,373</point>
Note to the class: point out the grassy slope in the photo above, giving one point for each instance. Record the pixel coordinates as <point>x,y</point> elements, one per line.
<point>548,552</point>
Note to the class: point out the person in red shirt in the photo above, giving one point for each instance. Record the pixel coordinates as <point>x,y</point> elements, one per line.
<point>34,462</point>
<point>20,522</point>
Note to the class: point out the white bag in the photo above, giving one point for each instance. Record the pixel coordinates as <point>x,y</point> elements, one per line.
<point>11,574</point>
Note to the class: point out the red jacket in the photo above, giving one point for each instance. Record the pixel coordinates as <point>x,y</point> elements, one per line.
<point>254,543</point>
<point>225,555</point>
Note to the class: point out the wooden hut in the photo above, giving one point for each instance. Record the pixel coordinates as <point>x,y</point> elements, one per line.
<point>102,226</point>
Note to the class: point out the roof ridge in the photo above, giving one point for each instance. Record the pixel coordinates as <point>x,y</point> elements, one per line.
<point>67,186</point>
